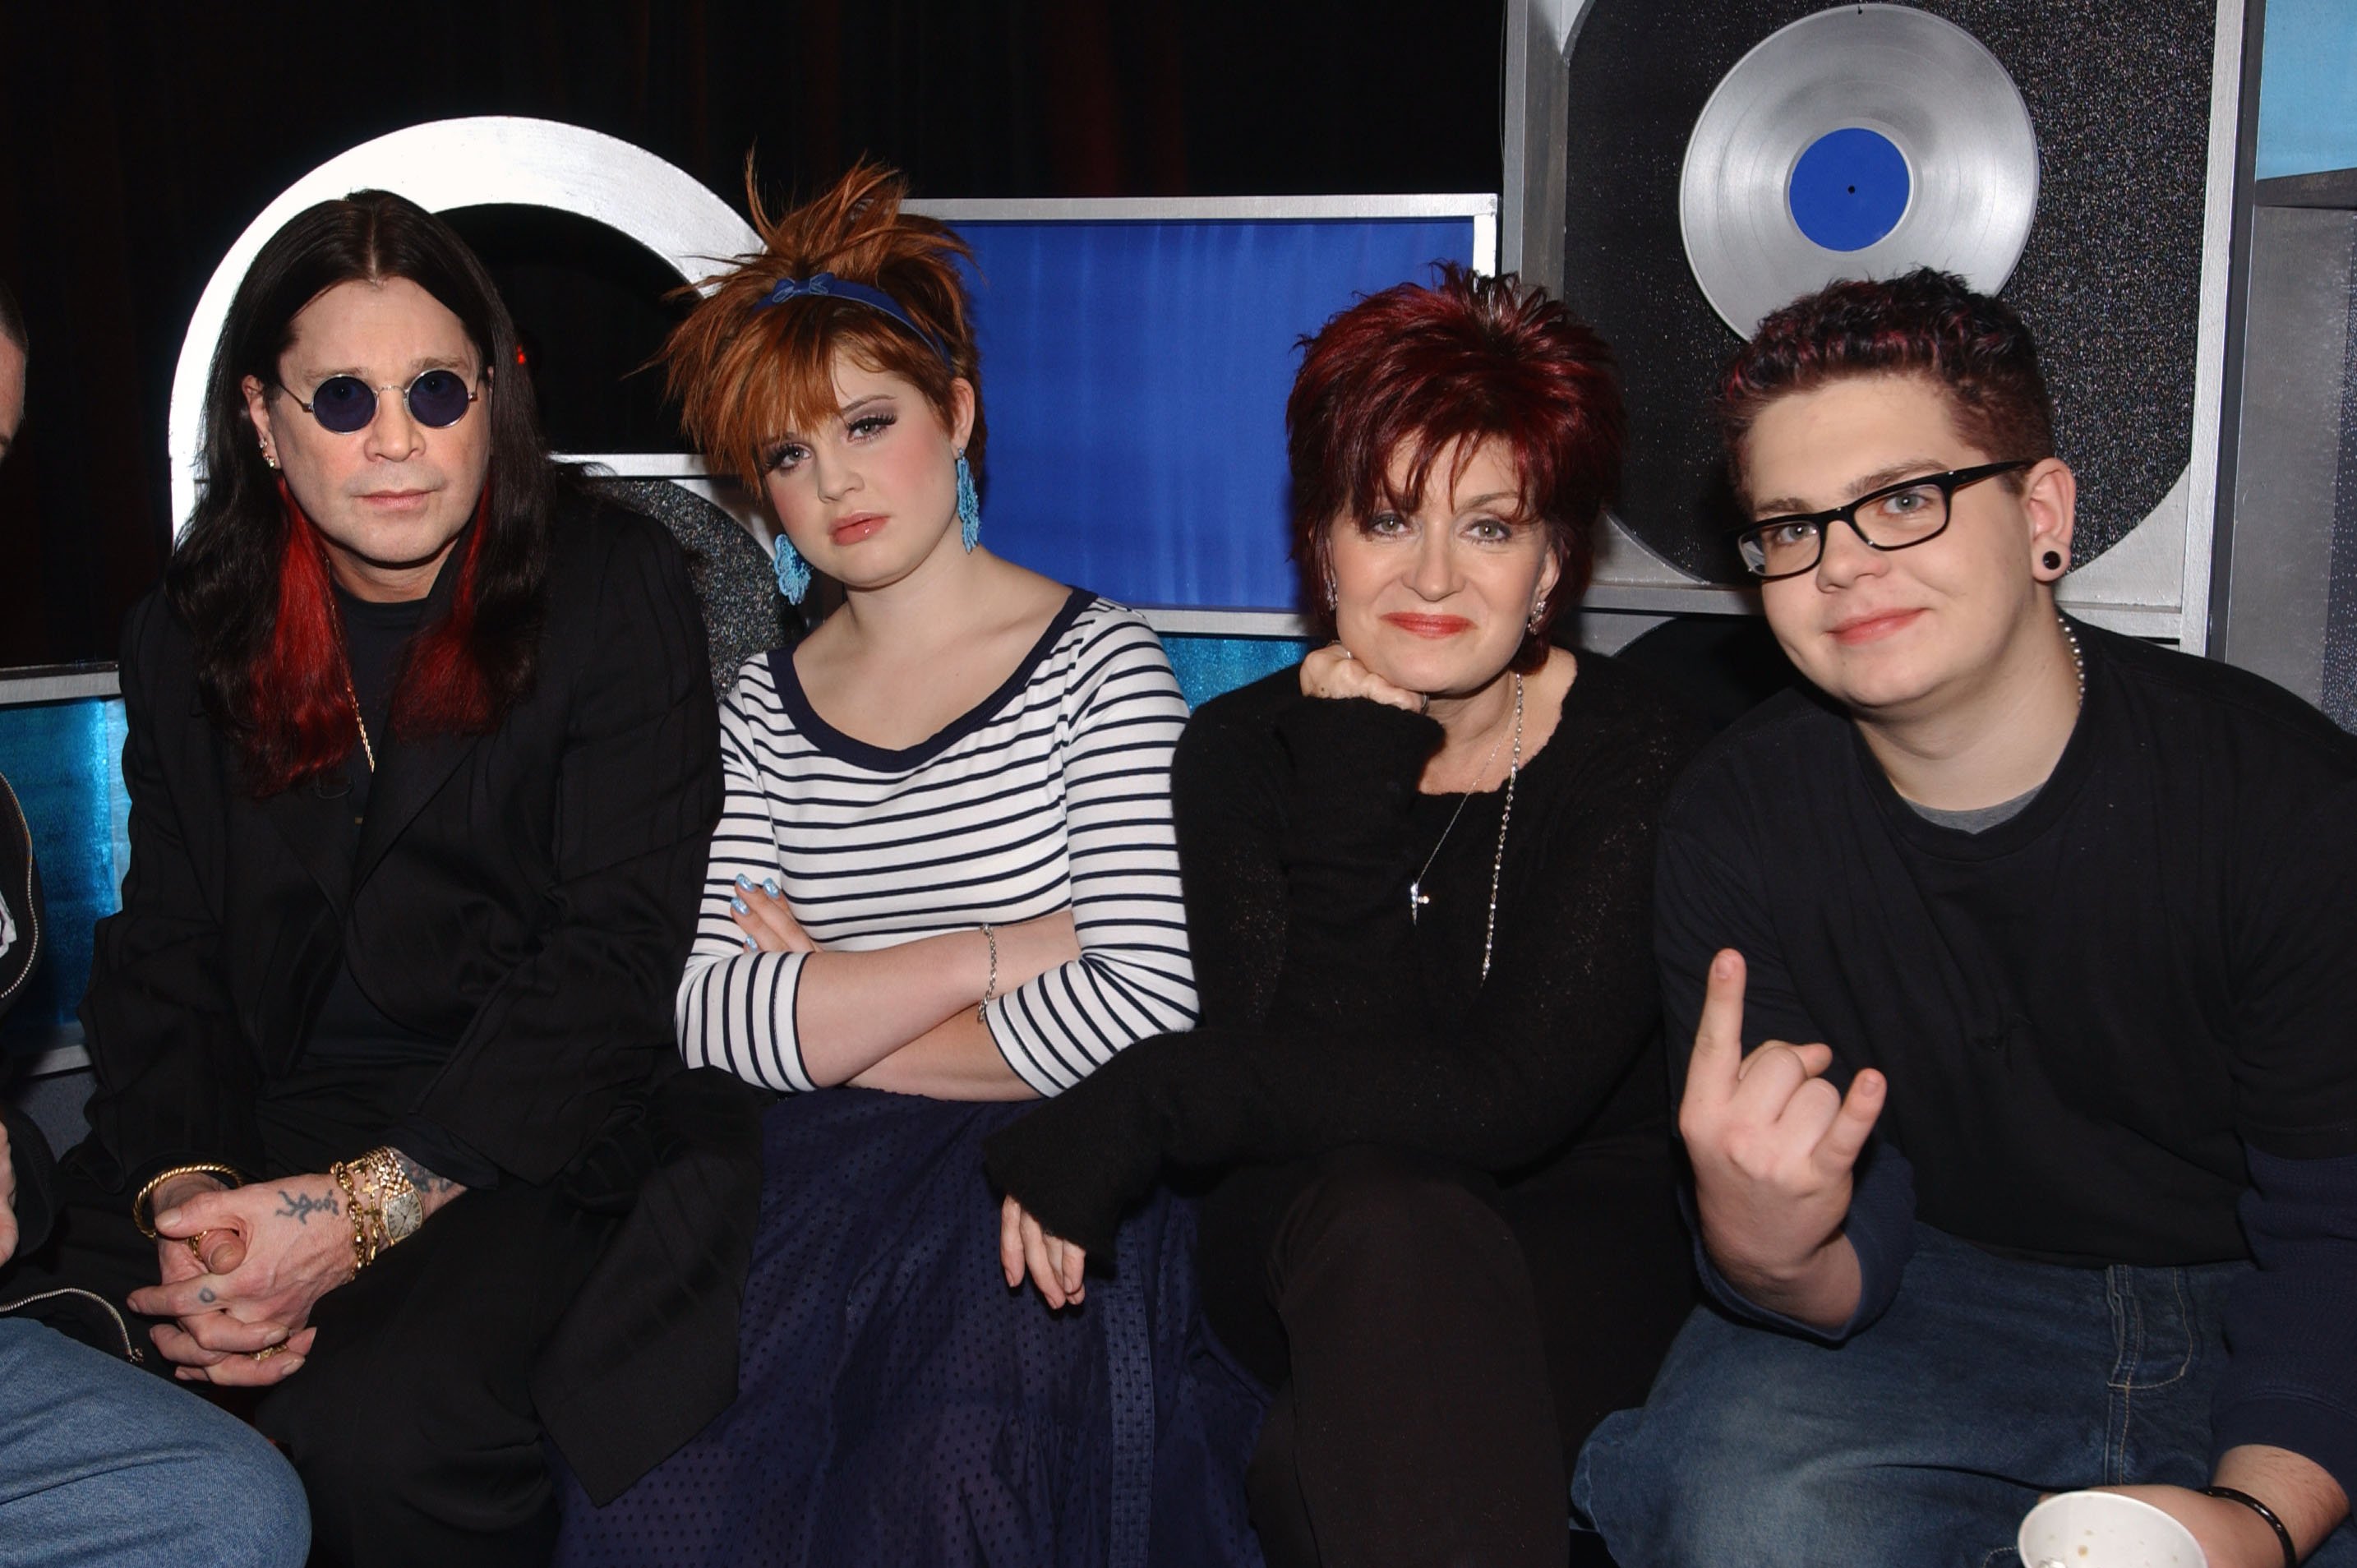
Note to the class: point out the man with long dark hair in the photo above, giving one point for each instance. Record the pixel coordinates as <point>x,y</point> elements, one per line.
<point>422,763</point>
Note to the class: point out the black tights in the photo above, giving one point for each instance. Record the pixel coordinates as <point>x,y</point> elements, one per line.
<point>1439,1345</point>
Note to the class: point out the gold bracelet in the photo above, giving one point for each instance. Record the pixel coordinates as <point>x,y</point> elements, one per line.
<point>144,1220</point>
<point>363,1234</point>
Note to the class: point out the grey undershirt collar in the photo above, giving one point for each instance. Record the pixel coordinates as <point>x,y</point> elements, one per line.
<point>1975,819</point>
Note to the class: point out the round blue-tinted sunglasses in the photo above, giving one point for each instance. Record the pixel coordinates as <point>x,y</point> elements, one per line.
<point>437,400</point>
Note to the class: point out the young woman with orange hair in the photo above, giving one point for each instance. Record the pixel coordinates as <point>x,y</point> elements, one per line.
<point>945,881</point>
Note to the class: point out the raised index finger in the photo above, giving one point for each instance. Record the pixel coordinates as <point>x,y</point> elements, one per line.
<point>1718,1034</point>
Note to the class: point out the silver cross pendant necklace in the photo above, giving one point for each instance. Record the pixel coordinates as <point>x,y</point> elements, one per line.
<point>1416,896</point>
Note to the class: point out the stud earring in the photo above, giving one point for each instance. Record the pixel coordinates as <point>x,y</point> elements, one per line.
<point>2052,560</point>
<point>793,572</point>
<point>969,506</point>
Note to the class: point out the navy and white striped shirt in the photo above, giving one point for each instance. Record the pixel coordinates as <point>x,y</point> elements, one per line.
<point>1054,790</point>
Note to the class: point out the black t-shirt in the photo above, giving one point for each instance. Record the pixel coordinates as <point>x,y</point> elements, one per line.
<point>2086,1012</point>
<point>362,1069</point>
<point>349,1025</point>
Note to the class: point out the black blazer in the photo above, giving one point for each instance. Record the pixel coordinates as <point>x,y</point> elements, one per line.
<point>530,893</point>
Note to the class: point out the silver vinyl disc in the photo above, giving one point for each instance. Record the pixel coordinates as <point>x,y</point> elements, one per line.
<point>1859,142</point>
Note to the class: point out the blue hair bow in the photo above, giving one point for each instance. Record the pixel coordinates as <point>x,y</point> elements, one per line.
<point>793,288</point>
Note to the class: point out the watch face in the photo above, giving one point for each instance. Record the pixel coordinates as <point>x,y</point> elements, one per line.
<point>404,1213</point>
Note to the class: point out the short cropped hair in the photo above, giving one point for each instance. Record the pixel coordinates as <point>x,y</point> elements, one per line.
<point>12,320</point>
<point>1925,323</point>
<point>745,371</point>
<point>1418,369</point>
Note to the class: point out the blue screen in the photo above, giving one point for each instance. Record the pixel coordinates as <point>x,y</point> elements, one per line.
<point>1133,376</point>
<point>62,759</point>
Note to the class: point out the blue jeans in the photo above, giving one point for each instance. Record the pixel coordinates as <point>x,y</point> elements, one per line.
<point>101,1463</point>
<point>1923,1439</point>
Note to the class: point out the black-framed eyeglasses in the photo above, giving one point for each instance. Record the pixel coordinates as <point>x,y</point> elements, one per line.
<point>437,399</point>
<point>1896,517</point>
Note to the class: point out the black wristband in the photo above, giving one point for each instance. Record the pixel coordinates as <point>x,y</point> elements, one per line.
<point>2282,1536</point>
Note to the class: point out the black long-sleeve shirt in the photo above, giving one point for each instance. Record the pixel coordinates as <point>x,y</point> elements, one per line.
<point>2119,1028</point>
<point>1329,1016</point>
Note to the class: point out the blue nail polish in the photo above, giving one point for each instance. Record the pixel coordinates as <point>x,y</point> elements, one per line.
<point>770,886</point>
<point>740,905</point>
<point>749,945</point>
<point>745,882</point>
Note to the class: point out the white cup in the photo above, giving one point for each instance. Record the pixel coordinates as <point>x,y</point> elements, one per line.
<point>2104,1530</point>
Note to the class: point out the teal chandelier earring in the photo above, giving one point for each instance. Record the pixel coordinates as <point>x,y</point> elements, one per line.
<point>793,572</point>
<point>969,506</point>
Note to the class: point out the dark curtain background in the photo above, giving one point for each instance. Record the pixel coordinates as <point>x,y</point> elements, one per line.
<point>136,140</point>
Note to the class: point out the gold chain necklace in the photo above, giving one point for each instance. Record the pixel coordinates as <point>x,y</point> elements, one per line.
<point>367,749</point>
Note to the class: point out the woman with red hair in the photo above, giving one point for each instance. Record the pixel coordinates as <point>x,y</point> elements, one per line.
<point>1418,871</point>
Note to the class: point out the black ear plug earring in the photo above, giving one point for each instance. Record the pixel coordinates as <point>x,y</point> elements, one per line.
<point>2053,559</point>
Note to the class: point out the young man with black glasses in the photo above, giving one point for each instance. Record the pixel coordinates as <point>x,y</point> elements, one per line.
<point>2020,959</point>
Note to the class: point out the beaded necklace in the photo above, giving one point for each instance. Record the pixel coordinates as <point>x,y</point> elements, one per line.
<point>1417,897</point>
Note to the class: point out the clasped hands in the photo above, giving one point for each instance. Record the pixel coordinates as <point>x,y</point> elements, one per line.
<point>240,1270</point>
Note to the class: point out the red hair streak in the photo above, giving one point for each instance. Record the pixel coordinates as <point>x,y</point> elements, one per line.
<point>299,695</point>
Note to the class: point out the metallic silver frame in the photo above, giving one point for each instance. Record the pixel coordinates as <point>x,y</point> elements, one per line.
<point>37,683</point>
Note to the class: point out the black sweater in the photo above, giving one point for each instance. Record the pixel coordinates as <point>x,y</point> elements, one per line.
<point>1328,1018</point>
<point>2120,1028</point>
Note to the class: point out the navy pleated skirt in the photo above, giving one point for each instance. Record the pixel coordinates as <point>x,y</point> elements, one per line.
<point>897,1404</point>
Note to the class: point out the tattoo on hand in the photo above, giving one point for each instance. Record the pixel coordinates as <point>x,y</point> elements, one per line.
<point>300,1206</point>
<point>426,1183</point>
<point>205,1295</point>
